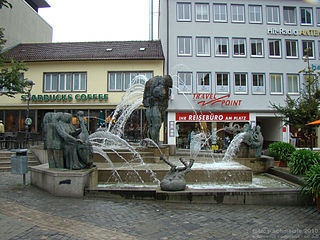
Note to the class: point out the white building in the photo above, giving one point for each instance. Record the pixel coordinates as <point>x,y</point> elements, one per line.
<point>230,59</point>
<point>23,24</point>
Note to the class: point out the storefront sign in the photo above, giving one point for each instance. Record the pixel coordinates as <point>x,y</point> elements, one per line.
<point>65,97</point>
<point>212,117</point>
<point>294,32</point>
<point>210,98</point>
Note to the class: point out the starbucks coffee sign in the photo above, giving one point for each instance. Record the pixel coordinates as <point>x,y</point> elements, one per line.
<point>65,97</point>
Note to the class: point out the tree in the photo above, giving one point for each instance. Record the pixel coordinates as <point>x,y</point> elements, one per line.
<point>11,71</point>
<point>304,109</point>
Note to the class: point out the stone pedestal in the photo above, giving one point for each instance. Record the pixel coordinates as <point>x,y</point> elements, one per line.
<point>63,182</point>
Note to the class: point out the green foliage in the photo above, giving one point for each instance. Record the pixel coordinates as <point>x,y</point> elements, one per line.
<point>5,3</point>
<point>301,161</point>
<point>281,151</point>
<point>11,72</point>
<point>312,181</point>
<point>299,111</point>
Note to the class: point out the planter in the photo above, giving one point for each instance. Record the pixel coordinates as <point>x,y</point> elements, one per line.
<point>318,203</point>
<point>283,164</point>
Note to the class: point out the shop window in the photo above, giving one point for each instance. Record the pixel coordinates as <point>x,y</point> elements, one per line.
<point>183,11</point>
<point>65,82</point>
<point>258,83</point>
<point>276,83</point>
<point>239,47</point>
<point>222,82</point>
<point>256,47</point>
<point>203,82</point>
<point>274,48</point>
<point>289,15</point>
<point>308,48</point>
<point>185,82</point>
<point>292,48</point>
<point>240,83</point>
<point>273,15</point>
<point>221,47</point>
<point>306,16</point>
<point>184,46</point>
<point>202,12</point>
<point>203,46</point>
<point>121,81</point>
<point>293,83</point>
<point>255,14</point>
<point>237,13</point>
<point>219,12</point>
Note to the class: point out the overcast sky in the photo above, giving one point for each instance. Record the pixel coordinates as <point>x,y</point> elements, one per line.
<point>98,20</point>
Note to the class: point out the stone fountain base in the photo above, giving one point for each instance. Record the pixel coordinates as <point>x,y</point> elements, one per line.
<point>200,173</point>
<point>63,182</point>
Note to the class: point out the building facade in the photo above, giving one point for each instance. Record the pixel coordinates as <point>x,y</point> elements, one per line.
<point>231,59</point>
<point>91,77</point>
<point>23,24</point>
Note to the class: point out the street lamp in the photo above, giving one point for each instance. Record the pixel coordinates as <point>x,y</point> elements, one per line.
<point>28,121</point>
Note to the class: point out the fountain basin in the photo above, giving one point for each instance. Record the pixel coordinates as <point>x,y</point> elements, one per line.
<point>200,173</point>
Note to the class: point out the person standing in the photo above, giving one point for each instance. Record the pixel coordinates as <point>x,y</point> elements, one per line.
<point>1,127</point>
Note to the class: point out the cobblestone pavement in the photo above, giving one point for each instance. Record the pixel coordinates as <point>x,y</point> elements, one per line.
<point>29,213</point>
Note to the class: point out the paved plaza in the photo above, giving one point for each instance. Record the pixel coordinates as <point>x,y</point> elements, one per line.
<point>29,213</point>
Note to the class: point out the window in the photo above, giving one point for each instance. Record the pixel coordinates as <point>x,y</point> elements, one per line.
<point>274,48</point>
<point>185,82</point>
<point>258,85</point>
<point>184,11</point>
<point>239,47</point>
<point>256,47</point>
<point>65,82</point>
<point>203,46</point>
<point>219,12</point>
<point>240,83</point>
<point>121,81</point>
<point>318,16</point>
<point>184,46</point>
<point>289,15</point>
<point>293,83</point>
<point>273,15</point>
<point>221,45</point>
<point>202,12</point>
<point>308,48</point>
<point>255,14</point>
<point>237,13</point>
<point>222,82</point>
<point>292,48</point>
<point>276,83</point>
<point>203,82</point>
<point>306,16</point>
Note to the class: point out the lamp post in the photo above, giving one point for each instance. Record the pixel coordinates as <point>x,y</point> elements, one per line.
<point>28,121</point>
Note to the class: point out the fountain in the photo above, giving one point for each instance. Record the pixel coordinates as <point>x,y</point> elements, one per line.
<point>123,167</point>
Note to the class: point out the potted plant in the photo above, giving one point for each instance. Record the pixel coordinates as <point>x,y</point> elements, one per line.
<point>301,161</point>
<point>281,152</point>
<point>312,183</point>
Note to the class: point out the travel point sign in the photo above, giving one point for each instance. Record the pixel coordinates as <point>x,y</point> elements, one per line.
<point>65,97</point>
<point>204,99</point>
<point>212,117</point>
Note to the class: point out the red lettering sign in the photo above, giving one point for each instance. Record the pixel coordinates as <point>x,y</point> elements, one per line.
<point>212,117</point>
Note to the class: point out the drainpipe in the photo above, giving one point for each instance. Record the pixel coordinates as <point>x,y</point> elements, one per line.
<point>151,20</point>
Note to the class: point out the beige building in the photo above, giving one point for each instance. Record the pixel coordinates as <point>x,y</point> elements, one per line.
<point>23,24</point>
<point>91,77</point>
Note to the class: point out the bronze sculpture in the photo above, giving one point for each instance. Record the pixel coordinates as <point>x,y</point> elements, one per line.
<point>155,100</point>
<point>67,146</point>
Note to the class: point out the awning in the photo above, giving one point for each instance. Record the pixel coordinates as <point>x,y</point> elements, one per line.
<point>314,123</point>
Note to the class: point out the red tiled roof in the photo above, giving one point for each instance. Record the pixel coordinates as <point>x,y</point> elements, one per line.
<point>75,51</point>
